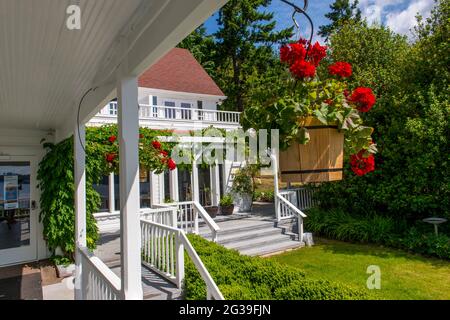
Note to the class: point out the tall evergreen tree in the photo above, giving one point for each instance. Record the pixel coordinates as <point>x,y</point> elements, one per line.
<point>342,11</point>
<point>245,41</point>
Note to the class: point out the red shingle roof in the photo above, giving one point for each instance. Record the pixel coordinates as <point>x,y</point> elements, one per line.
<point>179,71</point>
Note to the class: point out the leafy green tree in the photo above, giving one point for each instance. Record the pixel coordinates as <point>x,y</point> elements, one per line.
<point>244,52</point>
<point>342,11</point>
<point>411,119</point>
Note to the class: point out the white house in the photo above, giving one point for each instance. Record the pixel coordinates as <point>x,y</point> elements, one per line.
<point>176,93</point>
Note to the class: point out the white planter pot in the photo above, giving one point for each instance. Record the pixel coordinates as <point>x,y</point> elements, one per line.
<point>244,201</point>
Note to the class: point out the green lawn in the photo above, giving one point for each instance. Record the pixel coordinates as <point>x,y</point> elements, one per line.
<point>403,275</point>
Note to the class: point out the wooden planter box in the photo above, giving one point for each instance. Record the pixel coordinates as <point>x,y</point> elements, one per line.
<point>320,160</point>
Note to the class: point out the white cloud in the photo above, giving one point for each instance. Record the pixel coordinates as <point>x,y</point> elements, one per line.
<point>404,21</point>
<point>399,15</point>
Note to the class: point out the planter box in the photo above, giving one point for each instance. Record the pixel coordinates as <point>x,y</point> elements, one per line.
<point>320,160</point>
<point>212,211</point>
<point>227,210</point>
<point>65,271</point>
<point>245,202</point>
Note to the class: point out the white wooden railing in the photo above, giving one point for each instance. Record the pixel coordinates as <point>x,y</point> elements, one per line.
<point>163,251</point>
<point>176,113</point>
<point>302,198</point>
<point>98,282</point>
<point>166,215</point>
<point>287,210</point>
<point>188,217</point>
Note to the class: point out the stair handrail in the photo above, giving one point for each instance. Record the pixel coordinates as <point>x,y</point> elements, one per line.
<point>291,206</point>
<point>213,291</point>
<point>208,220</point>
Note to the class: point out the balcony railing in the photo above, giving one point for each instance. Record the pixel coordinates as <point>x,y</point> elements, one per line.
<point>176,113</point>
<point>149,112</point>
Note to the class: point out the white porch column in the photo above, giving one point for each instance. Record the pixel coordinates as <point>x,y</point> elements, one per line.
<point>112,196</point>
<point>130,231</point>
<point>195,182</point>
<point>215,184</point>
<point>154,188</point>
<point>174,185</point>
<point>80,204</point>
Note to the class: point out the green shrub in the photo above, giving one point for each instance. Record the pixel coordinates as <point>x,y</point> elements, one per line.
<point>339,225</point>
<point>241,277</point>
<point>264,196</point>
<point>226,201</point>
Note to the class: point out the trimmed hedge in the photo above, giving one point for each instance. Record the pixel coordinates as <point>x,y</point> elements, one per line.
<point>339,225</point>
<point>241,277</point>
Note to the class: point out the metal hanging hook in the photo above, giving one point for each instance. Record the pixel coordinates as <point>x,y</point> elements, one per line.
<point>302,11</point>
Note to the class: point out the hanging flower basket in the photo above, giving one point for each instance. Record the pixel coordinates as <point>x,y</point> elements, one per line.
<point>318,118</point>
<point>320,160</point>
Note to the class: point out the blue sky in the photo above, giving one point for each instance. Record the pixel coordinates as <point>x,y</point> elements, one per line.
<point>399,15</point>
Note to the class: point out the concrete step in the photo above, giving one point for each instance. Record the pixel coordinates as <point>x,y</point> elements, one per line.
<point>259,243</point>
<point>274,248</point>
<point>248,235</point>
<point>241,225</point>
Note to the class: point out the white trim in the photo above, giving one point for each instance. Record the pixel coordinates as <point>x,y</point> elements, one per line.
<point>181,94</point>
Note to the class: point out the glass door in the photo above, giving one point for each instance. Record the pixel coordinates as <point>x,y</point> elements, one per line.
<point>17,211</point>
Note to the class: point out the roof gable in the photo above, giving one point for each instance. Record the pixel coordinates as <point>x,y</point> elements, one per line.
<point>179,71</point>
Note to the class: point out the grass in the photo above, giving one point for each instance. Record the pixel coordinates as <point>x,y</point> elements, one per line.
<point>404,276</point>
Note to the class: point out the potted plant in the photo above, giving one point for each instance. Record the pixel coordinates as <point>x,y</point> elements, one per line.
<point>226,205</point>
<point>243,187</point>
<point>212,211</point>
<point>316,118</point>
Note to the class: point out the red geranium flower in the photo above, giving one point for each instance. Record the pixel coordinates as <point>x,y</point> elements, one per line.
<point>112,139</point>
<point>110,157</point>
<point>361,165</point>
<point>346,93</point>
<point>363,98</point>
<point>328,101</point>
<point>156,144</point>
<point>342,69</point>
<point>302,69</point>
<point>292,52</point>
<point>171,164</point>
<point>164,153</point>
<point>317,53</point>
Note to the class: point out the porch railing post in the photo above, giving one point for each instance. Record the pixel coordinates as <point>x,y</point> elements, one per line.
<point>274,159</point>
<point>195,183</point>
<point>111,196</point>
<point>80,205</point>
<point>179,260</point>
<point>130,233</point>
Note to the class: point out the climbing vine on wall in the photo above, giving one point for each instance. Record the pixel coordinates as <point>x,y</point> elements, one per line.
<point>56,180</point>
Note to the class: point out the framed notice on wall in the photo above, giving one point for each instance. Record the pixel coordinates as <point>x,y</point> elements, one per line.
<point>11,192</point>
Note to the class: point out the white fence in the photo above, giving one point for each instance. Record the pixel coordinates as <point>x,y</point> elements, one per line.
<point>302,198</point>
<point>98,282</point>
<point>163,251</point>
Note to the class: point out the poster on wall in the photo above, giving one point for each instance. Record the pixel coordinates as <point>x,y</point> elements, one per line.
<point>11,192</point>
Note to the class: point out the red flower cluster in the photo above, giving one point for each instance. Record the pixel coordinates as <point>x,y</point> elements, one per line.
<point>363,98</point>
<point>342,69</point>
<point>164,153</point>
<point>112,139</point>
<point>294,54</point>
<point>156,144</point>
<point>171,164</point>
<point>110,157</point>
<point>303,69</point>
<point>361,165</point>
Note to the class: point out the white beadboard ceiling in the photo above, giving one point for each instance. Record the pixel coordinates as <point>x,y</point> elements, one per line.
<point>45,68</point>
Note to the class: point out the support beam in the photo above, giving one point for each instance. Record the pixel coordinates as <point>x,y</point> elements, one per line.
<point>111,194</point>
<point>215,184</point>
<point>80,205</point>
<point>195,182</point>
<point>130,233</point>
<point>174,185</point>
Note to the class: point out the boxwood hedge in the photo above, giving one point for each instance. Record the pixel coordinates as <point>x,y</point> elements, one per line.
<point>241,277</point>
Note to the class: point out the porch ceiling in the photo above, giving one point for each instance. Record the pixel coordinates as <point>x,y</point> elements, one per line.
<point>45,68</point>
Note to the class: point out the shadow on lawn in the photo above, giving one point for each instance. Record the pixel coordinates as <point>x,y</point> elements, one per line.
<point>370,249</point>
